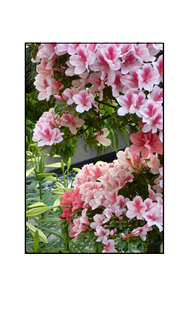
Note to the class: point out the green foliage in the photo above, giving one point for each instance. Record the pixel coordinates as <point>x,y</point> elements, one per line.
<point>35,107</point>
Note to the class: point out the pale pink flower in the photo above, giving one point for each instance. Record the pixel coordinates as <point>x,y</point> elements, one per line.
<point>102,138</point>
<point>47,136</point>
<point>147,77</point>
<point>61,49</point>
<point>152,195</point>
<point>159,66</point>
<point>153,123</point>
<point>129,62</point>
<point>107,61</point>
<point>83,100</point>
<point>102,234</point>
<point>139,103</point>
<point>70,70</point>
<point>126,101</point>
<point>99,220</point>
<point>154,48</point>
<point>69,93</point>
<point>130,161</point>
<point>142,53</point>
<point>161,135</point>
<point>154,163</point>
<point>109,246</point>
<point>83,218</point>
<point>156,95</point>
<point>118,84</point>
<point>43,68</point>
<point>136,208</point>
<point>98,84</point>
<point>72,47</point>
<point>68,120</point>
<point>154,217</point>
<point>76,228</point>
<point>142,231</point>
<point>84,57</point>
<point>131,80</point>
<point>46,50</point>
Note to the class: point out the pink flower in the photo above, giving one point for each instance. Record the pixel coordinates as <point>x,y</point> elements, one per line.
<point>142,53</point>
<point>153,116</point>
<point>156,95</point>
<point>129,62</point>
<point>95,79</point>
<point>102,233</point>
<point>147,77</point>
<point>83,101</point>
<point>118,84</point>
<point>139,103</point>
<point>159,67</point>
<point>84,57</point>
<point>136,208</point>
<point>99,220</point>
<point>102,138</point>
<point>107,61</point>
<point>142,231</point>
<point>69,93</point>
<point>61,49</point>
<point>147,143</point>
<point>71,122</point>
<point>66,214</point>
<point>46,51</point>
<point>47,136</point>
<point>109,246</point>
<point>76,228</point>
<point>126,101</point>
<point>154,216</point>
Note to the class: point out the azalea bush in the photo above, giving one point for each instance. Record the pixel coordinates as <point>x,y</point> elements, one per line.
<point>98,89</point>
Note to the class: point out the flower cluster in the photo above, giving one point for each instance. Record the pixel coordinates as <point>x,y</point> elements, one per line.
<point>133,72</point>
<point>103,201</point>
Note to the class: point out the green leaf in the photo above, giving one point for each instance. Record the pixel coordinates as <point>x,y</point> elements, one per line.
<point>36,241</point>
<point>76,169</point>
<point>69,163</point>
<point>42,236</point>
<point>31,186</point>
<point>53,165</point>
<point>51,178</point>
<point>34,212</point>
<point>28,172</point>
<point>56,233</point>
<point>38,204</point>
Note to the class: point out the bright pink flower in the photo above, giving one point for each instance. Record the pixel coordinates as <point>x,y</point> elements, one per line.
<point>83,100</point>
<point>126,101</point>
<point>136,208</point>
<point>102,138</point>
<point>72,199</point>
<point>147,77</point>
<point>66,214</point>
<point>84,57</point>
<point>102,234</point>
<point>68,120</point>
<point>147,143</point>
<point>109,246</point>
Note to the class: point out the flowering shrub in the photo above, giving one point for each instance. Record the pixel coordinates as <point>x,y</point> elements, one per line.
<point>98,88</point>
<point>115,204</point>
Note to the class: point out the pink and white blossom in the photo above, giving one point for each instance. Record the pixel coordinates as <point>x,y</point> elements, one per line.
<point>83,100</point>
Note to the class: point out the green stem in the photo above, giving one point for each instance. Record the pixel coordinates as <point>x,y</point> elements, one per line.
<point>67,232</point>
